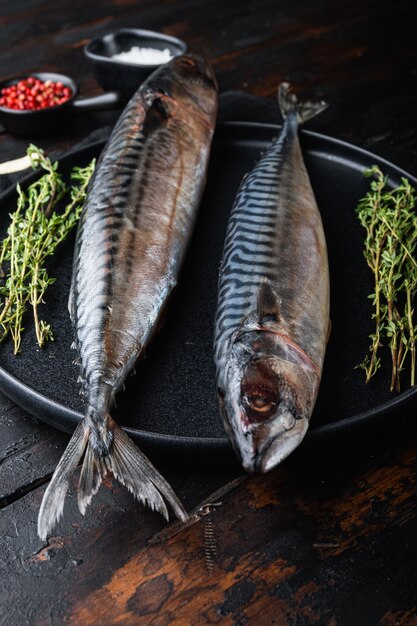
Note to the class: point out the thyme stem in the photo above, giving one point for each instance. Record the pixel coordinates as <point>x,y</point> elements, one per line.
<point>35,231</point>
<point>390,222</point>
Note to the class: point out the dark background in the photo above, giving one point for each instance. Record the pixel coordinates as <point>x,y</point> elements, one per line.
<point>330,536</point>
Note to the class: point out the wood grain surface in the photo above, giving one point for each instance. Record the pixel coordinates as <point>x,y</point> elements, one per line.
<point>330,537</point>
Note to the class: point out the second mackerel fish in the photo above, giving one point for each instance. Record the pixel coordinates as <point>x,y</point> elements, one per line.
<point>132,237</point>
<point>272,319</point>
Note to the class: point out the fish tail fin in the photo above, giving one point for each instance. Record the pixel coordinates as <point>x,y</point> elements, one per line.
<point>135,472</point>
<point>54,497</point>
<point>92,473</point>
<point>126,462</point>
<point>288,102</point>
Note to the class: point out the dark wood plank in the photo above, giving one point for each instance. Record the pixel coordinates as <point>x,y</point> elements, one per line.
<point>313,542</point>
<point>29,452</point>
<point>357,55</point>
<point>329,537</point>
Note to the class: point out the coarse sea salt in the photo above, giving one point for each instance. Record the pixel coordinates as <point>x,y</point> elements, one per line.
<point>144,56</point>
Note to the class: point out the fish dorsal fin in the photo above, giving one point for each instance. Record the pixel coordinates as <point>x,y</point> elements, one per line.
<point>268,308</point>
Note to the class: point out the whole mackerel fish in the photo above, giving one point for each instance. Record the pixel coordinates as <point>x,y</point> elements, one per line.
<point>132,236</point>
<point>272,318</point>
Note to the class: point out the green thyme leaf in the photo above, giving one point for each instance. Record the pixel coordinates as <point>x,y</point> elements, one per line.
<point>37,227</point>
<point>390,222</point>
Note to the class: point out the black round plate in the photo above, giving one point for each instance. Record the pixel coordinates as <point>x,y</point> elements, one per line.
<point>170,406</point>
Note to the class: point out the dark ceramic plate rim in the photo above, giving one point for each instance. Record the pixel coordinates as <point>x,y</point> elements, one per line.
<point>64,418</point>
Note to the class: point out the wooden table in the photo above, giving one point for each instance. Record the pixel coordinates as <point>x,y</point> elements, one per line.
<point>330,537</point>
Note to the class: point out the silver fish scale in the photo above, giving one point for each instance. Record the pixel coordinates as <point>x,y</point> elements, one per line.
<point>138,217</point>
<point>275,234</point>
<point>132,238</point>
<point>248,254</point>
<point>100,223</point>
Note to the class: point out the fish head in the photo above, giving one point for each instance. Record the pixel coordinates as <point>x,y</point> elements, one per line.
<point>197,79</point>
<point>194,71</point>
<point>266,398</point>
<point>186,87</point>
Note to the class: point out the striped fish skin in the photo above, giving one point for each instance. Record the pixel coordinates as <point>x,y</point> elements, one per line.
<point>132,237</point>
<point>138,219</point>
<point>272,319</point>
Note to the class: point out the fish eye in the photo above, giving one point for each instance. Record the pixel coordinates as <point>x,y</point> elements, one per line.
<point>188,61</point>
<point>259,403</point>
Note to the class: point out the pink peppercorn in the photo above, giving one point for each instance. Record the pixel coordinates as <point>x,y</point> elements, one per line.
<point>33,94</point>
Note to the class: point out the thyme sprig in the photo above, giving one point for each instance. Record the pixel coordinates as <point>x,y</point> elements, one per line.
<point>37,227</point>
<point>390,221</point>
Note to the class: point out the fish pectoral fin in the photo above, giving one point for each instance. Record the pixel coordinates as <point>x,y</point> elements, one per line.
<point>268,306</point>
<point>54,497</point>
<point>329,330</point>
<point>135,472</point>
<point>71,303</point>
<point>157,116</point>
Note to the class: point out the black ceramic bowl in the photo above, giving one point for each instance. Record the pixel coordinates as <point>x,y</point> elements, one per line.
<point>116,74</point>
<point>34,123</point>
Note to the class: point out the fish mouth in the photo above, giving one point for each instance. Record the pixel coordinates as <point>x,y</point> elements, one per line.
<point>275,450</point>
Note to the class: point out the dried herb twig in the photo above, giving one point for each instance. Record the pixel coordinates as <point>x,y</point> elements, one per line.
<point>35,231</point>
<point>390,221</point>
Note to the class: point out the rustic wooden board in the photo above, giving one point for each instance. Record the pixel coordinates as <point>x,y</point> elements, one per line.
<point>316,541</point>
<point>29,452</point>
<point>328,538</point>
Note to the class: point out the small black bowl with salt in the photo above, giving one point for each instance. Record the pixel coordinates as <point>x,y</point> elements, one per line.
<point>124,58</point>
